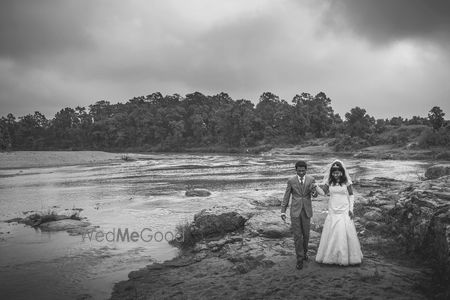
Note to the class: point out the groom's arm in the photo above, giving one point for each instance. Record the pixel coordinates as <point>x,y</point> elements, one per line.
<point>286,198</point>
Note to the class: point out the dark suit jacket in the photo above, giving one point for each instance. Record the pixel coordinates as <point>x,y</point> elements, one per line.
<point>301,196</point>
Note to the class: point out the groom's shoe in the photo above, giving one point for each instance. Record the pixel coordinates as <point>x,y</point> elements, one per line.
<point>299,265</point>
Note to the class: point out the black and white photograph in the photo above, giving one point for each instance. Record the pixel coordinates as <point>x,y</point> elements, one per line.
<point>224,149</point>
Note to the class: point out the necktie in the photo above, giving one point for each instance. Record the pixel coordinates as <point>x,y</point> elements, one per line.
<point>301,181</point>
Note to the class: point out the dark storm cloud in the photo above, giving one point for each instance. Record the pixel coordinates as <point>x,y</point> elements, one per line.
<point>226,56</point>
<point>385,21</point>
<point>61,53</point>
<point>232,55</point>
<point>33,28</point>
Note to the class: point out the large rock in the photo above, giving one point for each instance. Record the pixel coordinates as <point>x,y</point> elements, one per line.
<point>198,193</point>
<point>209,224</point>
<point>436,247</point>
<point>268,202</point>
<point>373,216</point>
<point>275,231</point>
<point>437,171</point>
<point>412,219</point>
<point>268,224</point>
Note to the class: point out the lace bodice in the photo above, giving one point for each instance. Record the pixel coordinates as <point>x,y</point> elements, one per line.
<point>338,202</point>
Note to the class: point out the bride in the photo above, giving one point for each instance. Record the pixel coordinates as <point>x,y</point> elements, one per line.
<point>339,242</point>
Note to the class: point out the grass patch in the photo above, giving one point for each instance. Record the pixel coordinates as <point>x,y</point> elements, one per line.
<point>184,236</point>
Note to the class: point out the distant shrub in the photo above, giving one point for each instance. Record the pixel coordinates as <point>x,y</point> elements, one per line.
<point>443,155</point>
<point>348,143</point>
<point>430,137</point>
<point>398,135</point>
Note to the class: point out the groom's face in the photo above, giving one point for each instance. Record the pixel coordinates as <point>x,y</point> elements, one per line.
<point>301,171</point>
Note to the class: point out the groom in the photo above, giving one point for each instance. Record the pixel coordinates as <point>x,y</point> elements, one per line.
<point>301,187</point>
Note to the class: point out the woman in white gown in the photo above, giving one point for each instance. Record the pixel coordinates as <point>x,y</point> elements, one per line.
<point>339,242</point>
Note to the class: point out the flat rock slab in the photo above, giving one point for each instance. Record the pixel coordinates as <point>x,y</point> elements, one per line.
<point>437,171</point>
<point>70,225</point>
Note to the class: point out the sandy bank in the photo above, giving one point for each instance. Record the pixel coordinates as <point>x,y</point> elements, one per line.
<point>37,159</point>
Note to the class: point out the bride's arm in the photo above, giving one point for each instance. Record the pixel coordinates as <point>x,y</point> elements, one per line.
<point>322,189</point>
<point>351,199</point>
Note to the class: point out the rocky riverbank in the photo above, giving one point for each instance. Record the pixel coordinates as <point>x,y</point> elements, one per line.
<point>403,229</point>
<point>382,152</point>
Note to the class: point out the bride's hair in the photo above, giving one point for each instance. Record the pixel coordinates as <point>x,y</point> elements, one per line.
<point>337,166</point>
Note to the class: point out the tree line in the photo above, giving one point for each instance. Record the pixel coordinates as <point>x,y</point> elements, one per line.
<point>174,123</point>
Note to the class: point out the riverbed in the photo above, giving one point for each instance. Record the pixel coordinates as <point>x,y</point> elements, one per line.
<point>144,194</point>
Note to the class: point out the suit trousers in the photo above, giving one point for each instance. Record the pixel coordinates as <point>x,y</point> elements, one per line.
<point>300,228</point>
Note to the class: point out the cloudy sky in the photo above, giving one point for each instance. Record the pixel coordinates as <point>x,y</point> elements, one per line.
<point>390,57</point>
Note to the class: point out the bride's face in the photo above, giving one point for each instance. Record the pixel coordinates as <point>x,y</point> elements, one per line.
<point>336,174</point>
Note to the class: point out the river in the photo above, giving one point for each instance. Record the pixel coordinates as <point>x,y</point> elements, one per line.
<point>145,195</point>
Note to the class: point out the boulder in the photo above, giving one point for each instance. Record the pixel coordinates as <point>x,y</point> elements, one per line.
<point>371,225</point>
<point>268,202</point>
<point>437,171</point>
<point>198,193</point>
<point>208,224</point>
<point>412,217</point>
<point>388,207</point>
<point>436,247</point>
<point>268,224</point>
<point>275,231</point>
<point>373,216</point>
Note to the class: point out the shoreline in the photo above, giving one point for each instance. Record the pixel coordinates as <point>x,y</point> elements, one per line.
<point>42,159</point>
<point>48,159</point>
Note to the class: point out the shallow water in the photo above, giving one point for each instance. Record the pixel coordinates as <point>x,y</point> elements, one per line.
<point>146,196</point>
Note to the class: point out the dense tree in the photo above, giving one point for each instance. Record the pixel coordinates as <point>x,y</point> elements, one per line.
<point>7,132</point>
<point>266,109</point>
<point>380,126</point>
<point>321,115</point>
<point>396,121</point>
<point>174,123</point>
<point>436,117</point>
<point>358,123</point>
<point>300,118</point>
<point>30,132</point>
<point>314,114</point>
<point>417,120</point>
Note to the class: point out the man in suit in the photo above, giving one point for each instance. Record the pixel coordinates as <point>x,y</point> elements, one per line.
<point>301,187</point>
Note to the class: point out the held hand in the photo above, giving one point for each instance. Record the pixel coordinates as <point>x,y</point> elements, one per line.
<point>314,192</point>
<point>350,213</point>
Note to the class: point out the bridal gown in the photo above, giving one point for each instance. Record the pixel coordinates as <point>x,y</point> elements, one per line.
<point>339,242</point>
